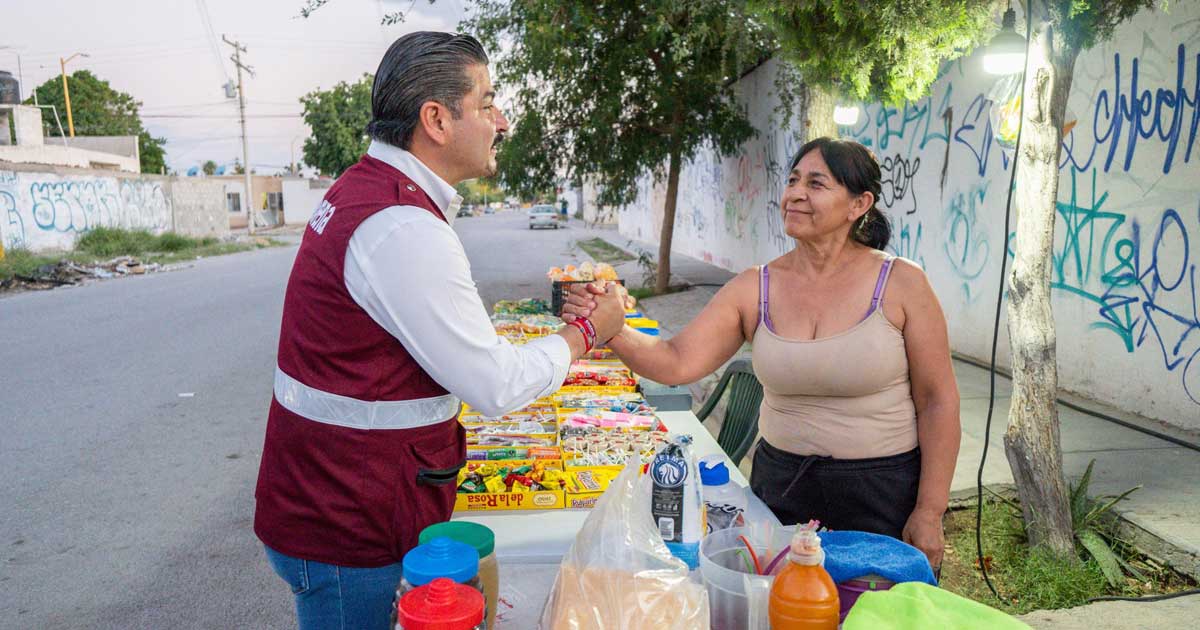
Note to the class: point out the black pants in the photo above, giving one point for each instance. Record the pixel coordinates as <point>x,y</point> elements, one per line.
<point>872,495</point>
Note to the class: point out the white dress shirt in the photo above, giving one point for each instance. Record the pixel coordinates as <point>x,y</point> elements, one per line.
<point>407,269</point>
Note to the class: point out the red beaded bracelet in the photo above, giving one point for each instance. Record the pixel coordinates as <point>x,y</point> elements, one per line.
<point>589,339</point>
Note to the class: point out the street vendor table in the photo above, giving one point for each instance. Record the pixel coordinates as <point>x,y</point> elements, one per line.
<point>531,543</point>
<point>543,536</point>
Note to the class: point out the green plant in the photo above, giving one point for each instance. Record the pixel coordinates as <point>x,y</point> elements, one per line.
<point>1088,522</point>
<point>172,242</point>
<point>101,110</point>
<point>646,263</point>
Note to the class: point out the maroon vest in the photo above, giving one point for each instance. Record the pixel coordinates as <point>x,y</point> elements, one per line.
<point>351,496</point>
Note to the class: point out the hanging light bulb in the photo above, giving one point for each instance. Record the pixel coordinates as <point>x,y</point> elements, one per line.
<point>845,114</point>
<point>1005,54</point>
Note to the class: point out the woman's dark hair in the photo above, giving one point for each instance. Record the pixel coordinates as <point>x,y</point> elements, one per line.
<point>420,67</point>
<point>855,167</point>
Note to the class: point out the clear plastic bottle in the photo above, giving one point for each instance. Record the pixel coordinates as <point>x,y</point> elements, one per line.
<point>676,502</point>
<point>484,541</point>
<point>440,605</point>
<point>803,596</point>
<point>724,500</point>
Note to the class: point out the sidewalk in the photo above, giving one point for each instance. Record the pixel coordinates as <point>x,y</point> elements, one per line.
<point>1162,518</point>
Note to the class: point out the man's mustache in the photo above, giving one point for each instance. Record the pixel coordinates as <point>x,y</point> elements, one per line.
<point>498,140</point>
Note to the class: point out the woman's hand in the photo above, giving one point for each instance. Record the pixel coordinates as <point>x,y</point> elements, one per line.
<point>924,531</point>
<point>581,299</point>
<point>608,316</point>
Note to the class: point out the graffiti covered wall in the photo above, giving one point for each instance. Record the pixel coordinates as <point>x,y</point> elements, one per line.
<point>1126,289</point>
<point>47,209</point>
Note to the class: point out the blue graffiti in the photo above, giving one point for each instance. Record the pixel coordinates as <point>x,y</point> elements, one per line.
<point>1161,114</point>
<point>1167,294</point>
<point>15,233</point>
<point>889,123</point>
<point>966,245</point>
<point>906,239</point>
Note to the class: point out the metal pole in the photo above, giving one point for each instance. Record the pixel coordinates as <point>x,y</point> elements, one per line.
<point>238,49</point>
<point>67,96</point>
<point>20,78</point>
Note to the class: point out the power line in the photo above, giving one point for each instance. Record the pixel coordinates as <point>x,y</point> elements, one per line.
<point>222,116</point>
<point>211,35</point>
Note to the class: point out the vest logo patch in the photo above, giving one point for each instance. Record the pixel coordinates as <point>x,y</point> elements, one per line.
<point>321,217</point>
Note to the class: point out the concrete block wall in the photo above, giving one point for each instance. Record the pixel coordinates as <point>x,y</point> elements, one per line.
<point>199,207</point>
<point>47,208</point>
<point>1125,276</point>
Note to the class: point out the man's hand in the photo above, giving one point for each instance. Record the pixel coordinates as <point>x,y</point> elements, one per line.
<point>581,299</point>
<point>924,531</point>
<point>608,316</point>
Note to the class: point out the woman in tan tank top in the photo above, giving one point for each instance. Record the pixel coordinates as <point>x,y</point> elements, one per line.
<point>859,417</point>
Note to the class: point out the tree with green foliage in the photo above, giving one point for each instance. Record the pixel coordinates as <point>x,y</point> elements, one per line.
<point>100,110</point>
<point>209,167</point>
<point>338,119</point>
<point>883,51</point>
<point>611,91</point>
<point>482,190</point>
<point>892,51</point>
<point>886,52</point>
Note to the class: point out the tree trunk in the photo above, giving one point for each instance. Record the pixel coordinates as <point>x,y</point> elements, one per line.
<point>1032,439</point>
<point>663,279</point>
<point>818,114</point>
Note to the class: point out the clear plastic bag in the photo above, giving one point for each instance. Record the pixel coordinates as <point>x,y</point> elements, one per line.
<point>1005,113</point>
<point>619,575</point>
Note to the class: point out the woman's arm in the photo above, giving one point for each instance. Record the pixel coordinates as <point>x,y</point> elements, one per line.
<point>699,349</point>
<point>935,396</point>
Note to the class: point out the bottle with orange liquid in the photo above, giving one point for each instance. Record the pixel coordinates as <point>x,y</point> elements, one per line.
<point>803,596</point>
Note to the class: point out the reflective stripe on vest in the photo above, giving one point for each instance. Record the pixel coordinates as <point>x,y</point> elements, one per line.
<point>343,411</point>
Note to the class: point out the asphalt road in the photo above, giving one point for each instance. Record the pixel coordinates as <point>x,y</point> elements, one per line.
<point>133,412</point>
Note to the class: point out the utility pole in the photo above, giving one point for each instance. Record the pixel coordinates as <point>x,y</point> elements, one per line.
<point>62,64</point>
<point>238,49</point>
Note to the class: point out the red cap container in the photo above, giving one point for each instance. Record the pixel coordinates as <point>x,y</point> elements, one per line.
<point>443,604</point>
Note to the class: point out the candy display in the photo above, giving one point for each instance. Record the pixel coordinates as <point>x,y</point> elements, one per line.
<point>592,375</point>
<point>527,306</point>
<point>561,451</point>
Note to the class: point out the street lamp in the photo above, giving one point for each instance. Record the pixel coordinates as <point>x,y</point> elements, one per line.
<point>845,114</point>
<point>1005,54</point>
<point>66,91</point>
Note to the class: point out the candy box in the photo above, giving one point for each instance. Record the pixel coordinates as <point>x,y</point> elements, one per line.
<point>586,485</point>
<point>510,485</point>
<point>507,453</point>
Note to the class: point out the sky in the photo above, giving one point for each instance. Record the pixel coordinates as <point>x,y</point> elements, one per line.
<point>160,52</point>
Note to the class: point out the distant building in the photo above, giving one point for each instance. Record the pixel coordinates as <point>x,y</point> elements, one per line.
<point>301,196</point>
<point>24,142</point>
<point>267,199</point>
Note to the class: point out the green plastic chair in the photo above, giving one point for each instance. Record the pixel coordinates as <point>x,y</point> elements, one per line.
<point>741,414</point>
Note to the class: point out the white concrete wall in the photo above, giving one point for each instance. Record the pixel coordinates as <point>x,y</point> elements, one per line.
<point>53,153</point>
<point>301,197</point>
<point>48,210</point>
<point>1126,283</point>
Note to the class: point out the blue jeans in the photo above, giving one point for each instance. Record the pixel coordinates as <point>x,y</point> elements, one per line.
<point>329,597</point>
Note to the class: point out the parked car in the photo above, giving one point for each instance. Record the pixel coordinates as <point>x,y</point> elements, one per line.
<point>464,211</point>
<point>543,216</point>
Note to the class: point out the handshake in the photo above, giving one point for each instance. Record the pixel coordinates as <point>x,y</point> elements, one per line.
<point>603,303</point>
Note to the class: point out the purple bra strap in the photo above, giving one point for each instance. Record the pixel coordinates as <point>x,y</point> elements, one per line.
<point>764,315</point>
<point>879,284</point>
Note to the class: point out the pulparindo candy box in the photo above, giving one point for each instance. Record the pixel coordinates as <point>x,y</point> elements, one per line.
<point>513,495</point>
<point>509,453</point>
